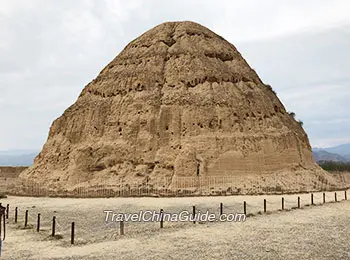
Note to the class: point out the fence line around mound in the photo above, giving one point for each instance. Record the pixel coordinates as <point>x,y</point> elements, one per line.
<point>63,227</point>
<point>184,186</point>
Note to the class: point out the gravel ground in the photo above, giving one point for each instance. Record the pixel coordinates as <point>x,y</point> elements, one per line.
<point>319,232</point>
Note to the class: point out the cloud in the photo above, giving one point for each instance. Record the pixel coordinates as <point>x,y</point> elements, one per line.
<point>252,20</point>
<point>309,71</point>
<point>49,54</point>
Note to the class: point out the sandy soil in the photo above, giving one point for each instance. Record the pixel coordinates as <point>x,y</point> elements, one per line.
<point>319,232</point>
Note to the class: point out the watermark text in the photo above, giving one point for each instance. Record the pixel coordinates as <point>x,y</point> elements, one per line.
<point>182,216</point>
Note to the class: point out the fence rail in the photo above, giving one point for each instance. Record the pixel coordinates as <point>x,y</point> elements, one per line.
<point>184,186</point>
<point>96,228</point>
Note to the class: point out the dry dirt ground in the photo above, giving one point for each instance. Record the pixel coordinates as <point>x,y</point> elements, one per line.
<point>312,232</point>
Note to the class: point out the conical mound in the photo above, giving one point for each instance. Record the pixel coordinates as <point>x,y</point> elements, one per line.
<point>179,101</point>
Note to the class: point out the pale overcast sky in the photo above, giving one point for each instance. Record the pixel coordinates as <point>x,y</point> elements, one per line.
<point>49,50</point>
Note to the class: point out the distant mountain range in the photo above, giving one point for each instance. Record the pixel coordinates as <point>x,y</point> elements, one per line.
<point>17,157</point>
<point>340,153</point>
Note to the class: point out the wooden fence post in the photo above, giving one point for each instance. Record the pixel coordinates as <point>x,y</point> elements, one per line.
<point>282,203</point>
<point>72,233</point>
<point>16,214</point>
<point>221,208</point>
<point>298,202</point>
<point>53,226</point>
<point>26,219</point>
<point>312,199</point>
<point>245,208</point>
<point>161,219</point>
<point>194,214</point>
<point>264,205</point>
<point>38,223</point>
<point>121,227</point>
<point>7,210</point>
<point>335,197</point>
<point>324,198</point>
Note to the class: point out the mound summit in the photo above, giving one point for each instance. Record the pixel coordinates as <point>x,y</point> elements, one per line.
<point>177,101</point>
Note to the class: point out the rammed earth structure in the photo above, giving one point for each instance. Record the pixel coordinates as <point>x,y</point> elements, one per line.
<point>178,101</point>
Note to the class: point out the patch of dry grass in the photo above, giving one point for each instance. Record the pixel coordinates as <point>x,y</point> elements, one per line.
<point>312,233</point>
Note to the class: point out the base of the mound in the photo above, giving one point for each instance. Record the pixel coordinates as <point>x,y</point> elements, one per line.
<point>278,183</point>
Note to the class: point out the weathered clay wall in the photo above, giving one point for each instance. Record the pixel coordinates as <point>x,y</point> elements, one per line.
<point>11,172</point>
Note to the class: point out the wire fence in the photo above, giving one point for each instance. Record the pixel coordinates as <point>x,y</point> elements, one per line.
<point>184,186</point>
<point>91,226</point>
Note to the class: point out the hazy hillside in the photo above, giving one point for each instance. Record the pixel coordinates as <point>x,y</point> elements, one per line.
<point>322,155</point>
<point>343,150</point>
<point>17,157</point>
<point>340,153</point>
